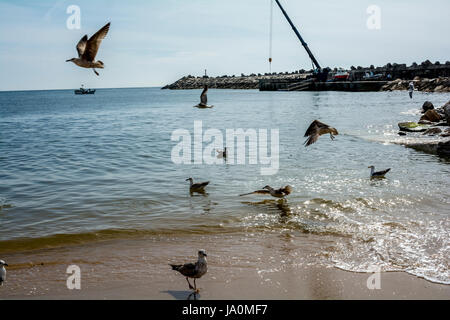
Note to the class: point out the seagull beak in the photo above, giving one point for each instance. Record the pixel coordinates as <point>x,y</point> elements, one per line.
<point>205,254</point>
<point>6,265</point>
<point>68,60</point>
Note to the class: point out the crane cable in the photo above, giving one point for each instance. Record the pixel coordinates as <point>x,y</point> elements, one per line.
<point>271,36</point>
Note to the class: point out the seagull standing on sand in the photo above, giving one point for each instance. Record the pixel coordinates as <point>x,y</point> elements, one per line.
<point>280,193</point>
<point>197,187</point>
<point>378,175</point>
<point>2,271</point>
<point>316,129</point>
<point>193,270</point>
<point>87,50</point>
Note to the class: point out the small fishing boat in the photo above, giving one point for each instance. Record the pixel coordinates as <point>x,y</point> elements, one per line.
<point>341,75</point>
<point>85,91</point>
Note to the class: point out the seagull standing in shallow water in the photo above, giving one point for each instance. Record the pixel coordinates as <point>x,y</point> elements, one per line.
<point>379,174</point>
<point>193,270</point>
<point>280,193</point>
<point>2,271</point>
<point>197,187</point>
<point>316,129</point>
<point>87,50</point>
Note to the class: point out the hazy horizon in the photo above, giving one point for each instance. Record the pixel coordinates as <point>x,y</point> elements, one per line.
<point>153,43</point>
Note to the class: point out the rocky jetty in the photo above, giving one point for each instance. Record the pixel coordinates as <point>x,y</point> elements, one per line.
<point>428,77</point>
<point>232,82</point>
<point>441,84</point>
<point>431,133</point>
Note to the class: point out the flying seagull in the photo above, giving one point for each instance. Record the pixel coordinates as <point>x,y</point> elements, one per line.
<point>316,129</point>
<point>193,270</point>
<point>379,174</point>
<point>87,50</point>
<point>197,187</point>
<point>280,193</point>
<point>2,271</point>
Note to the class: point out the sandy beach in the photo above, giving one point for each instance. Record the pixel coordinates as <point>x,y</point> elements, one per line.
<point>241,267</point>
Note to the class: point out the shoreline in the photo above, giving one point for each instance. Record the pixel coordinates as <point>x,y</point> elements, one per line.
<point>241,266</point>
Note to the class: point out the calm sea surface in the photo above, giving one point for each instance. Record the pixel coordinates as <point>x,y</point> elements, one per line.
<point>82,168</point>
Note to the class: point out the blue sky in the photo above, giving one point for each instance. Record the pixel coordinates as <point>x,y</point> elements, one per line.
<point>152,43</point>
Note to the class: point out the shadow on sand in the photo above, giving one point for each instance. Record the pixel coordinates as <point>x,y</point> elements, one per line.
<point>183,295</point>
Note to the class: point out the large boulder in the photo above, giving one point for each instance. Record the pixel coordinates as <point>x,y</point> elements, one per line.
<point>412,127</point>
<point>432,132</point>
<point>431,115</point>
<point>444,149</point>
<point>447,112</point>
<point>427,106</point>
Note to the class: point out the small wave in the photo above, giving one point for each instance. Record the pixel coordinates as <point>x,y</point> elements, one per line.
<point>411,112</point>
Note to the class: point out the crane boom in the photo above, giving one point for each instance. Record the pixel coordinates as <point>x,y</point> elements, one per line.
<point>314,60</point>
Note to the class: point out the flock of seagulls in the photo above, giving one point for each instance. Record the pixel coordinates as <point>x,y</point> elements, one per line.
<point>87,49</point>
<point>315,130</point>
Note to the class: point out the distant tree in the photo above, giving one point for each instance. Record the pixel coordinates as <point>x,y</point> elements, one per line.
<point>372,66</point>
<point>352,68</point>
<point>437,63</point>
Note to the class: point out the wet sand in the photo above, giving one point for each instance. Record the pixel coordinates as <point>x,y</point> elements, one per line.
<point>241,266</point>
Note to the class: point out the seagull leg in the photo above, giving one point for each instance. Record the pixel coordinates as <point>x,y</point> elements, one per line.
<point>195,287</point>
<point>190,286</point>
<point>95,71</point>
<point>332,137</point>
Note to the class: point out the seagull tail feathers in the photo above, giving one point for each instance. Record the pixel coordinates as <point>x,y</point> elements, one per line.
<point>175,267</point>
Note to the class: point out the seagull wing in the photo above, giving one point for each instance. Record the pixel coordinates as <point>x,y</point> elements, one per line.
<point>81,46</point>
<point>204,98</point>
<point>312,139</point>
<point>187,270</point>
<point>314,127</point>
<point>94,42</point>
<point>200,185</point>
<point>381,173</point>
<point>256,192</point>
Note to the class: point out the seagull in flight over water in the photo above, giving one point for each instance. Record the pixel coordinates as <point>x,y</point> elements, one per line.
<point>193,270</point>
<point>316,129</point>
<point>88,48</point>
